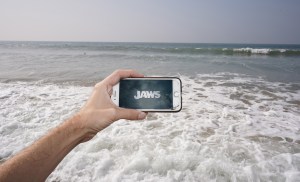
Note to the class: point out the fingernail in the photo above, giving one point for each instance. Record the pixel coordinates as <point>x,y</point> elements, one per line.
<point>142,115</point>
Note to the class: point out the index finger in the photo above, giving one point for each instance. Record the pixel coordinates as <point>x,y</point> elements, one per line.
<point>117,75</point>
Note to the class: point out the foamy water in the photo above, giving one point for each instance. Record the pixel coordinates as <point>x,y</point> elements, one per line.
<point>232,128</point>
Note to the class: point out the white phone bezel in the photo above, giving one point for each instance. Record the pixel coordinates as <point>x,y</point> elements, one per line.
<point>177,95</point>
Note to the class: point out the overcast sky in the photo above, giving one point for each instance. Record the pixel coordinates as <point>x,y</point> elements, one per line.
<point>201,21</point>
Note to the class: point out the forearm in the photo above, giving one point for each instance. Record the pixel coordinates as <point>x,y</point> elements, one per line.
<point>36,162</point>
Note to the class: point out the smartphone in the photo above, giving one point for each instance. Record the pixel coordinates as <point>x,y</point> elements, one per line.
<point>151,94</point>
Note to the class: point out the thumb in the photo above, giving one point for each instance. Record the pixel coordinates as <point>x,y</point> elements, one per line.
<point>130,114</point>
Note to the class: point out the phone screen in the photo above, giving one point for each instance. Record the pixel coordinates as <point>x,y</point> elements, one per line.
<point>146,94</point>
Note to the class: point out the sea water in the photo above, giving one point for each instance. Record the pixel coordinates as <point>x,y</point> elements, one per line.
<point>240,119</point>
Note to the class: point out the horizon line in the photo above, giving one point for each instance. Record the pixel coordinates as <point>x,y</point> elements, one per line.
<point>154,42</point>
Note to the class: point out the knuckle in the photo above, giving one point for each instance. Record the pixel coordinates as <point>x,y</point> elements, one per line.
<point>118,71</point>
<point>131,71</point>
<point>97,85</point>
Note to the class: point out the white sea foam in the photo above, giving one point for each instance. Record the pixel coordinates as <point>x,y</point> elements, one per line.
<point>258,51</point>
<point>251,50</point>
<point>231,128</point>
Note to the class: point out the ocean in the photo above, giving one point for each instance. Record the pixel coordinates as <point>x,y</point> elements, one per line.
<point>240,119</point>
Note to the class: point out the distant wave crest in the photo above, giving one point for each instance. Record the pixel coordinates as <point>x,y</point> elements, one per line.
<point>210,49</point>
<point>247,51</point>
<point>240,51</point>
<point>261,51</point>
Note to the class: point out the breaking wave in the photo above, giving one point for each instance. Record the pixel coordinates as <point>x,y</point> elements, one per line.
<point>176,48</point>
<point>247,51</point>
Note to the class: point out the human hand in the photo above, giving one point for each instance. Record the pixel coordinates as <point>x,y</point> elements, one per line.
<point>99,111</point>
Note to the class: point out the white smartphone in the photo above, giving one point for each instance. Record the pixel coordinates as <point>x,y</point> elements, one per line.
<point>151,94</point>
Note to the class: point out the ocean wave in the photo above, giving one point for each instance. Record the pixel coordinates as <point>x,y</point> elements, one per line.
<point>232,128</point>
<point>260,51</point>
<point>164,48</point>
<point>247,51</point>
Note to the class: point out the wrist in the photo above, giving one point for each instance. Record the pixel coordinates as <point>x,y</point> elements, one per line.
<point>77,129</point>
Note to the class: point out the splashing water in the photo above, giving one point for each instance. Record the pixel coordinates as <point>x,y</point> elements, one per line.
<point>231,128</point>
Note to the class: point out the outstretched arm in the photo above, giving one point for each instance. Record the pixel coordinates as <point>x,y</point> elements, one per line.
<point>36,162</point>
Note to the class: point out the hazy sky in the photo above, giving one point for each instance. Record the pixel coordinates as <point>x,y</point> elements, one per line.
<point>204,21</point>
